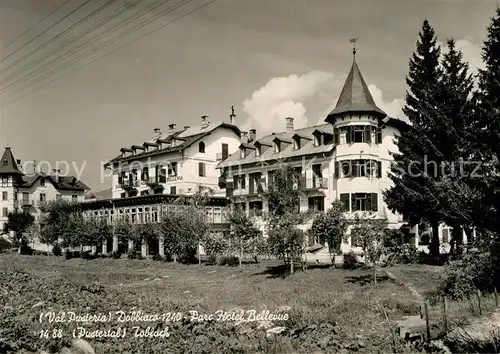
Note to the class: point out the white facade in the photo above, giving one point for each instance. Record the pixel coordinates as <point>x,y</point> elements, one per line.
<point>22,192</point>
<point>180,162</point>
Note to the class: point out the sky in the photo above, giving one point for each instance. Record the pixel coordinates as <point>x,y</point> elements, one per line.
<point>77,97</point>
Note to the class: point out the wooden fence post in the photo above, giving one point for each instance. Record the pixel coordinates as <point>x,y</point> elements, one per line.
<point>445,314</point>
<point>427,325</point>
<point>479,301</point>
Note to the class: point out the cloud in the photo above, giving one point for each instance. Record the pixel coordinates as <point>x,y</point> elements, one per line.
<point>307,98</point>
<point>283,97</point>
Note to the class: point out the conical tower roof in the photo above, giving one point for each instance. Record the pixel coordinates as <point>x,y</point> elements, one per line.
<point>8,165</point>
<point>355,97</point>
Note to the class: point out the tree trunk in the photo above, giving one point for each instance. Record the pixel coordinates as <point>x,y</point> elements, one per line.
<point>291,264</point>
<point>241,255</point>
<point>374,273</point>
<point>458,235</point>
<point>199,254</point>
<point>434,246</point>
<point>175,258</point>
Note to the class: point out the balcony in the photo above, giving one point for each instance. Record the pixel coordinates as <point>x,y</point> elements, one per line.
<point>128,184</point>
<point>257,188</point>
<point>317,183</point>
<point>26,203</point>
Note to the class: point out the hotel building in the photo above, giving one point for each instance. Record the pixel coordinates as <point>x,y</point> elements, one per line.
<point>347,158</point>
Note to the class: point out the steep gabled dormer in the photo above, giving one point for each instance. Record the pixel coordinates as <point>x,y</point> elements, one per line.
<point>126,152</point>
<point>261,148</point>
<point>299,141</point>
<point>245,150</point>
<point>137,149</point>
<point>280,144</point>
<point>149,146</point>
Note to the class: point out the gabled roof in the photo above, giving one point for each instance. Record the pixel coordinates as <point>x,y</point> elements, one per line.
<point>187,137</point>
<point>59,182</point>
<point>8,164</point>
<point>282,139</point>
<point>247,146</point>
<point>302,136</point>
<point>287,152</point>
<point>355,97</point>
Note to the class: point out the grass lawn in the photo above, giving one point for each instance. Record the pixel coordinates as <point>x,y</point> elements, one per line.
<point>330,310</point>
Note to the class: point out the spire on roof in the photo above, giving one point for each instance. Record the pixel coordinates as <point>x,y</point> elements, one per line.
<point>8,164</point>
<point>355,96</point>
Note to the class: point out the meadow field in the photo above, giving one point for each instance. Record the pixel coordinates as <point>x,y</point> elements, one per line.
<point>138,306</point>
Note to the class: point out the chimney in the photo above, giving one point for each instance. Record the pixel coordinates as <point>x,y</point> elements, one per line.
<point>204,122</point>
<point>232,116</point>
<point>289,125</point>
<point>244,137</point>
<point>56,173</point>
<point>157,133</point>
<point>171,126</point>
<point>252,135</point>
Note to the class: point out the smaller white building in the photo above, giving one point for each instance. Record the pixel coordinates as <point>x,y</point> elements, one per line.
<point>21,191</point>
<point>176,161</point>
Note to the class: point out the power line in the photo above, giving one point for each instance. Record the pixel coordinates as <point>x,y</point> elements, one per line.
<point>43,32</point>
<point>114,50</point>
<point>93,13</point>
<point>77,36</point>
<point>36,24</point>
<point>55,61</point>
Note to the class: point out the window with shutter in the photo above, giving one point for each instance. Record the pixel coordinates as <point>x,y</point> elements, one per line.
<point>201,169</point>
<point>337,170</point>
<point>379,135</point>
<point>374,203</point>
<point>368,134</point>
<point>344,198</point>
<point>243,181</point>
<point>336,138</point>
<point>225,151</point>
<point>379,169</point>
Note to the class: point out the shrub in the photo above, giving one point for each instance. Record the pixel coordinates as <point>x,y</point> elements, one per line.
<point>56,250</point>
<point>134,255</point>
<point>87,255</point>
<point>188,256</point>
<point>212,259</point>
<point>231,261</point>
<point>76,254</point>
<point>157,258</point>
<point>405,254</point>
<point>26,250</point>
<point>116,255</point>
<point>350,260</point>
<point>4,244</point>
<point>68,254</point>
<point>463,277</point>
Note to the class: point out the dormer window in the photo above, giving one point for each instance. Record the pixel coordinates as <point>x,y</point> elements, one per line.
<point>201,147</point>
<point>42,182</point>
<point>242,153</point>
<point>317,140</point>
<point>5,162</point>
<point>257,150</point>
<point>296,143</point>
<point>277,147</point>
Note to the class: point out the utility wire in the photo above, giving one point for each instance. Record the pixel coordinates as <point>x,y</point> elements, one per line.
<point>54,63</point>
<point>114,50</point>
<point>79,35</point>
<point>36,24</point>
<point>43,32</point>
<point>93,13</point>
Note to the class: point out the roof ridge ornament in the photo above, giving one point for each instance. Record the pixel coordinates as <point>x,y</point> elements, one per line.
<point>354,51</point>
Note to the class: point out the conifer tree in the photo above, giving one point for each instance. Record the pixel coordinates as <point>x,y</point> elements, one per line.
<point>452,116</point>
<point>412,193</point>
<point>487,127</point>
